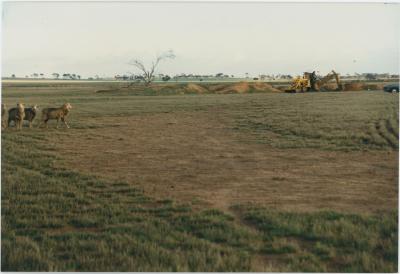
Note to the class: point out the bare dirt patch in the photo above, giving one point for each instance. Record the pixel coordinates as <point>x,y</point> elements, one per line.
<point>195,157</point>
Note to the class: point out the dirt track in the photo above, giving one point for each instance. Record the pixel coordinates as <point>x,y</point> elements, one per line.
<point>194,157</point>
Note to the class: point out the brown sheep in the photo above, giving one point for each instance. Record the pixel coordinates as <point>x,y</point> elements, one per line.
<point>3,115</point>
<point>30,114</point>
<point>19,116</point>
<point>56,114</point>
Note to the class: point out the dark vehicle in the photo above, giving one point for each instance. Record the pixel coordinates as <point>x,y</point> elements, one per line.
<point>391,88</point>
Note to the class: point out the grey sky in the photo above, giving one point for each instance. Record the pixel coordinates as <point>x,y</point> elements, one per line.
<point>91,38</point>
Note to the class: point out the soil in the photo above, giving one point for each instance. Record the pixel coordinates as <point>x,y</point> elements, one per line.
<point>194,157</point>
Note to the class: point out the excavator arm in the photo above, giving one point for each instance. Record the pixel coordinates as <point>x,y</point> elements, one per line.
<point>327,78</point>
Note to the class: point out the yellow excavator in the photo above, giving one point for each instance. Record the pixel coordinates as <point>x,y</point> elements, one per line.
<point>300,84</point>
<point>311,82</point>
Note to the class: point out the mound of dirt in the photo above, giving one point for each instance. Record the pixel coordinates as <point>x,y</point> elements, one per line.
<point>217,88</point>
<point>378,86</point>
<point>353,86</point>
<point>243,87</point>
<point>194,88</point>
<point>362,86</point>
<point>261,86</point>
<point>240,87</point>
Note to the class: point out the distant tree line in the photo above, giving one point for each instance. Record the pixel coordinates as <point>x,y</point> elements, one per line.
<point>55,75</point>
<point>199,77</point>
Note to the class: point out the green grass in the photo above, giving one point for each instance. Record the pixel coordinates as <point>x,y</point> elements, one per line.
<point>55,219</point>
<point>329,121</point>
<point>328,241</point>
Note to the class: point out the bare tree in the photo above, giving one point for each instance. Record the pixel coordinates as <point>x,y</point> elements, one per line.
<point>148,73</point>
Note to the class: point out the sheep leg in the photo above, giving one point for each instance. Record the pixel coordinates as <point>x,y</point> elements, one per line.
<point>45,122</point>
<point>65,122</point>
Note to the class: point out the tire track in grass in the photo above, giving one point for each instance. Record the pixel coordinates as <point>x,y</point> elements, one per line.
<point>391,129</point>
<point>384,130</point>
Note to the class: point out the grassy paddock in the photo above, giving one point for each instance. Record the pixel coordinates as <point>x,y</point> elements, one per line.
<point>54,219</point>
<point>57,219</point>
<point>333,121</point>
